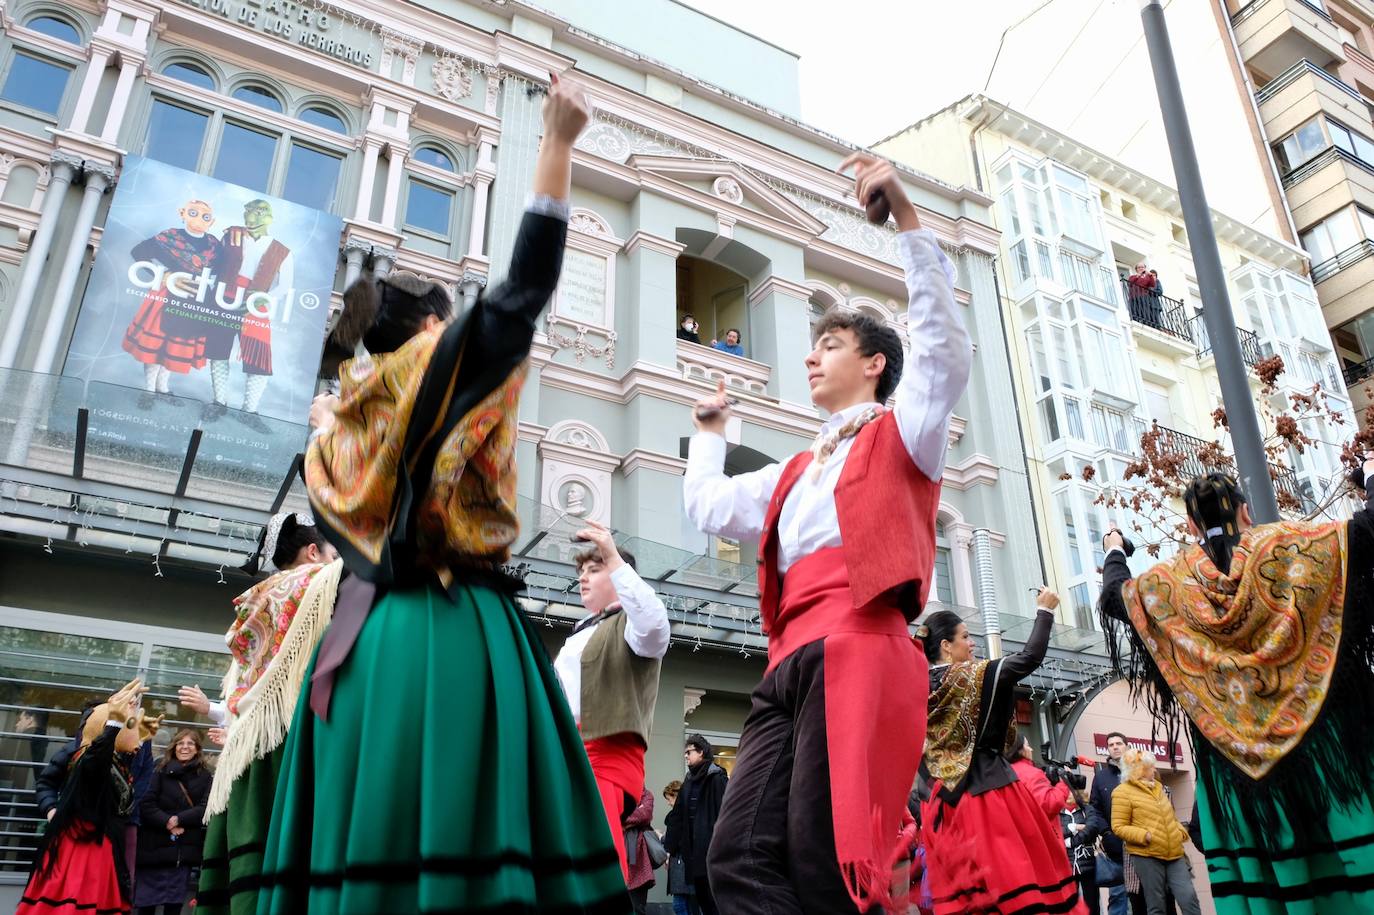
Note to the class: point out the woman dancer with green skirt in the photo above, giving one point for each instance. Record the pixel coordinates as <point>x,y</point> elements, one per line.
<point>277,625</point>
<point>435,766</point>
<point>1261,635</point>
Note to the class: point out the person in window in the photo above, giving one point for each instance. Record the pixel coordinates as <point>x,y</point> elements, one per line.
<point>431,698</point>
<point>166,335</point>
<point>1142,295</point>
<point>991,846</point>
<point>838,584</point>
<point>277,624</point>
<point>172,827</point>
<point>80,863</point>
<point>609,670</point>
<point>731,344</point>
<point>255,269</point>
<point>1262,635</point>
<point>687,330</point>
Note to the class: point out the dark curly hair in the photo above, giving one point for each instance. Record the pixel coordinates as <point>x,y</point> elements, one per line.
<point>873,337</point>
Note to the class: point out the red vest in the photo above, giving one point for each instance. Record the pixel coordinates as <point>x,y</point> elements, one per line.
<point>887,510</point>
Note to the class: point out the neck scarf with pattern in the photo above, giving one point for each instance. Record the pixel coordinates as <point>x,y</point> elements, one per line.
<point>824,446</point>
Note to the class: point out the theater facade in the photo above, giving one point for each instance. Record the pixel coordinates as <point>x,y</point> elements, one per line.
<point>141,141</point>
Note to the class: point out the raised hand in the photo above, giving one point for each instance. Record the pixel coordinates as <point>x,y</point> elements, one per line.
<point>600,536</point>
<point>874,176</point>
<point>1047,599</point>
<point>710,414</point>
<point>566,111</point>
<point>194,698</point>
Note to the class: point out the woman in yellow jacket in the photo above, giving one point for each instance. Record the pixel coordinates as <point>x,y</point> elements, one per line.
<point>1143,818</point>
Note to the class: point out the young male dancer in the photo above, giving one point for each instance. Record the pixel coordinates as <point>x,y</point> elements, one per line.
<point>609,670</point>
<point>847,544</point>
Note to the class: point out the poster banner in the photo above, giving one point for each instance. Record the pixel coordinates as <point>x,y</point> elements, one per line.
<point>206,307</point>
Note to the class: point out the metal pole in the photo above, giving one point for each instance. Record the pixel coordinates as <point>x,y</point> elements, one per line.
<point>987,591</point>
<point>1246,438</point>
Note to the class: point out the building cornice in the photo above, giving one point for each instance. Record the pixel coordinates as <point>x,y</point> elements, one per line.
<point>776,284</point>
<point>975,470</point>
<point>581,457</point>
<point>643,459</point>
<point>655,243</point>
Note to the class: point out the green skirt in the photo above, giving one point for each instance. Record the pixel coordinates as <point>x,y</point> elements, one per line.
<point>1271,875</point>
<point>234,841</point>
<point>449,778</point>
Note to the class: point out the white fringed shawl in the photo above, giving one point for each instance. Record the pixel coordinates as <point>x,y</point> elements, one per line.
<point>266,708</point>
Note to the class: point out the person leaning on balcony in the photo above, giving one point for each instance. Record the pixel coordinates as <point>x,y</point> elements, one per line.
<point>1142,294</point>
<point>731,343</point>
<point>1260,638</point>
<point>689,330</point>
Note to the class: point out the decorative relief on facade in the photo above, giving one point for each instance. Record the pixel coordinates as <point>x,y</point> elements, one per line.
<point>578,340</point>
<point>728,188</point>
<point>848,230</point>
<point>575,469</point>
<point>578,435</point>
<point>398,44</point>
<point>588,223</point>
<point>452,78</point>
<point>617,139</point>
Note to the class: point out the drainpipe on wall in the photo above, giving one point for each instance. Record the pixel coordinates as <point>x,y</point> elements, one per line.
<point>987,590</point>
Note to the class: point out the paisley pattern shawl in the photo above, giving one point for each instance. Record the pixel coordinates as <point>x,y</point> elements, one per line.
<point>952,725</point>
<point>264,615</point>
<point>419,468</point>
<point>1249,655</point>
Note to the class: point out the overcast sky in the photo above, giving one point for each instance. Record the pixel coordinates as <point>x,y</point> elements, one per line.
<point>862,87</point>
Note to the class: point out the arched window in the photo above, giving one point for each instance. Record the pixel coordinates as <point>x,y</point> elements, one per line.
<point>190,74</point>
<point>53,27</point>
<point>323,117</point>
<point>257,95</point>
<point>428,155</point>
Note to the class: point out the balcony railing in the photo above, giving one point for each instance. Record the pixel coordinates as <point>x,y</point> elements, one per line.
<point>1296,72</point>
<point>1320,161</point>
<point>1166,315</point>
<point>1354,374</point>
<point>704,363</point>
<point>1248,10</point>
<point>1250,349</point>
<point>1347,258</point>
<point>1173,441</point>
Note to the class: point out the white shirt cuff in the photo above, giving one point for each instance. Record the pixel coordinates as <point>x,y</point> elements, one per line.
<point>707,448</point>
<point>1116,549</point>
<point>545,205</point>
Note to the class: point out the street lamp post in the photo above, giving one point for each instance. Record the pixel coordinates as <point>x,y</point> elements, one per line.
<point>1246,438</point>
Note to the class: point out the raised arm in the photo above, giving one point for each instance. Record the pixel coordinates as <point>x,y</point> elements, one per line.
<point>940,353</point>
<point>726,506</point>
<point>509,312</point>
<point>646,619</point>
<point>1023,663</point>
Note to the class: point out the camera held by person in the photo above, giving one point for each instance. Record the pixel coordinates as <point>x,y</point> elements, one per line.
<point>1057,770</point>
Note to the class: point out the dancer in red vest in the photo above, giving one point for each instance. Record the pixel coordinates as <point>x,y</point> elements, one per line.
<point>847,543</point>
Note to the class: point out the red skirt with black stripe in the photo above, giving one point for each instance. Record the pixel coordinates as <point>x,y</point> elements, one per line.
<point>148,342</point>
<point>996,853</point>
<point>83,881</point>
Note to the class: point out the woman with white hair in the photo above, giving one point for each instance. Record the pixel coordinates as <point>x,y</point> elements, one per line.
<point>1143,818</point>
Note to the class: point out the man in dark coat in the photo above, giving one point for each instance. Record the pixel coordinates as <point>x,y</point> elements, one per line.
<point>693,818</point>
<point>1105,779</point>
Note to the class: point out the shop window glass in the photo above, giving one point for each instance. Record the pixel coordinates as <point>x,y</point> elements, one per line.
<point>35,83</point>
<point>245,157</point>
<point>256,95</point>
<point>190,74</point>
<point>323,117</point>
<point>175,135</point>
<point>56,28</point>
<point>311,177</point>
<point>431,156</point>
<point>428,208</point>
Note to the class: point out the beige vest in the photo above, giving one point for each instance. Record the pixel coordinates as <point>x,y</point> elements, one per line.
<point>619,688</point>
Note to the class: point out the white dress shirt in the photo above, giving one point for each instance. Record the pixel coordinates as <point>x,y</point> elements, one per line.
<point>254,249</point>
<point>934,376</point>
<point>646,632</point>
<point>219,713</point>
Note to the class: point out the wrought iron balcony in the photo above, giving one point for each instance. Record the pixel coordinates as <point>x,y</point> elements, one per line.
<point>1354,374</point>
<point>1173,441</point>
<point>1166,315</point>
<point>1250,349</point>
